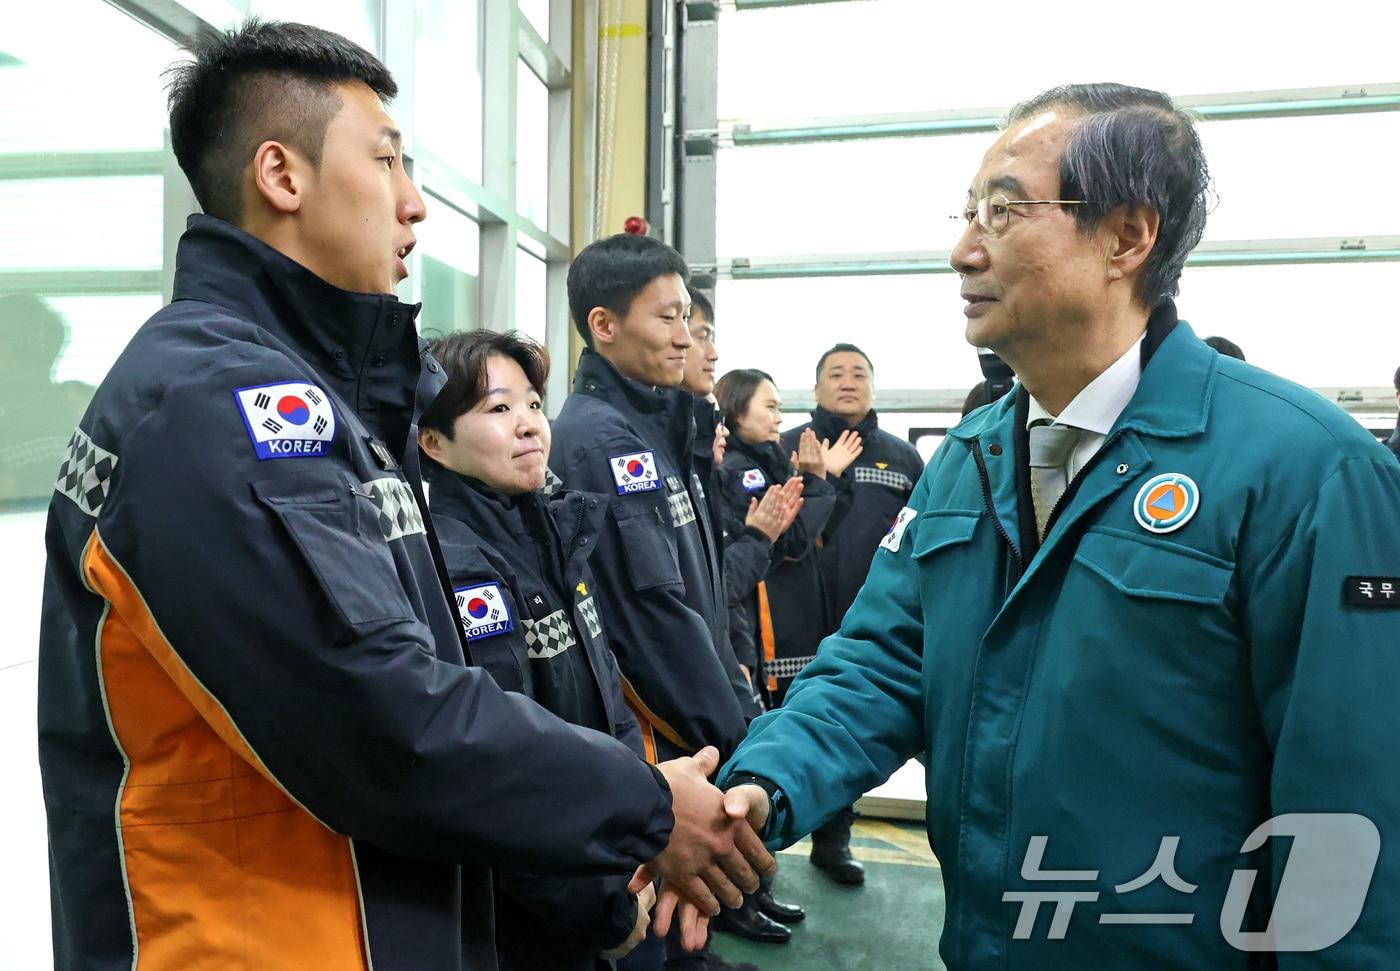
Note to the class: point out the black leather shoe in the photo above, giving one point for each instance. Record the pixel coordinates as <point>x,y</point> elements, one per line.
<point>707,961</point>
<point>751,924</point>
<point>837,863</point>
<point>776,909</point>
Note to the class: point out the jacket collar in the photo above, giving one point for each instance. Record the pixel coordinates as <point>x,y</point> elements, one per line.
<point>469,500</point>
<point>364,345</point>
<point>673,409</point>
<point>599,377</point>
<point>1173,395</point>
<point>829,426</point>
<point>768,456</point>
<point>337,331</point>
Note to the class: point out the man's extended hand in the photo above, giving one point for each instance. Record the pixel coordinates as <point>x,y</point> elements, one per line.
<point>713,852</point>
<point>748,802</point>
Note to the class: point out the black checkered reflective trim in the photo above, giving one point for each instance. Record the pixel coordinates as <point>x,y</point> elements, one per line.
<point>549,636</point>
<point>399,515</point>
<point>86,473</point>
<point>884,477</point>
<point>552,482</point>
<point>787,667</point>
<point>682,512</point>
<point>589,610</point>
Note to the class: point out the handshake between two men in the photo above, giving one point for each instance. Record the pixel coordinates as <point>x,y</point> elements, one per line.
<point>714,855</point>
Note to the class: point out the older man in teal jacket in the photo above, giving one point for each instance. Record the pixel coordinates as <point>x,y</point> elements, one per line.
<point>1140,617</point>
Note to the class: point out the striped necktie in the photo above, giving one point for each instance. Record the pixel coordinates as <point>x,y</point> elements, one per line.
<point>1050,447</point>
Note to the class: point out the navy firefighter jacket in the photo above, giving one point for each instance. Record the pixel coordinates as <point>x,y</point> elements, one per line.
<point>875,487</point>
<point>661,586</point>
<point>787,608</point>
<point>525,594</point>
<point>263,745</point>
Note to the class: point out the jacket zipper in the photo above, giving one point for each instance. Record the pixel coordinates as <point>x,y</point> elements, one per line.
<point>1071,487</point>
<point>981,464</point>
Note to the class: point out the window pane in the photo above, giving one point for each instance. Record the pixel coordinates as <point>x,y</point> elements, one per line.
<point>537,12</point>
<point>780,199</point>
<point>449,253</point>
<point>447,83</point>
<point>95,234</point>
<point>1282,177</point>
<point>912,55</point>
<point>1321,326</point>
<point>911,326</point>
<point>1315,325</point>
<point>894,194</point>
<point>358,20</point>
<point>530,294</point>
<point>531,146</point>
<point>78,222</point>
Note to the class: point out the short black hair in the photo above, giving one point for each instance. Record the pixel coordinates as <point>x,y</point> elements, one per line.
<point>463,355</point>
<point>1225,346</point>
<point>700,302</point>
<point>1397,380</point>
<point>611,272</point>
<point>736,389</point>
<point>843,349</point>
<point>1134,148</point>
<point>265,80</point>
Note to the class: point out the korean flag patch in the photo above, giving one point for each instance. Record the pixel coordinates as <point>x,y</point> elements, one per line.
<point>634,472</point>
<point>287,420</point>
<point>483,610</point>
<point>896,531</point>
<point>753,480</point>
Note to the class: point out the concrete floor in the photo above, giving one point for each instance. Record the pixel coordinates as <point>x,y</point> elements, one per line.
<point>892,922</point>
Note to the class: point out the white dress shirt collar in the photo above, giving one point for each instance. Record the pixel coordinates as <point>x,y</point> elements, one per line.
<point>1102,400</point>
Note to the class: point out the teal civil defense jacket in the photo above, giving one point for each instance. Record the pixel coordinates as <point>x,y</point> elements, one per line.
<point>1123,685</point>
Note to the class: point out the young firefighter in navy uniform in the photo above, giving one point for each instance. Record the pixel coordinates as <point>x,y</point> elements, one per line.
<point>261,739</point>
<point>876,486</point>
<point>628,430</point>
<point>518,561</point>
<point>746,535</point>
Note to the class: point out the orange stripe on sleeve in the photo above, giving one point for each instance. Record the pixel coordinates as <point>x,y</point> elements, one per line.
<point>765,633</point>
<point>225,869</point>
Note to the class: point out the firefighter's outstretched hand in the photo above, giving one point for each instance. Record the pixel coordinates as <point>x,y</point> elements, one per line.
<point>714,853</point>
<point>742,802</point>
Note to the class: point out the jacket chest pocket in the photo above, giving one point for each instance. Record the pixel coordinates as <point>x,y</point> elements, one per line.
<point>942,528</point>
<point>352,566</point>
<point>649,545</point>
<point>941,544</point>
<point>1147,570</point>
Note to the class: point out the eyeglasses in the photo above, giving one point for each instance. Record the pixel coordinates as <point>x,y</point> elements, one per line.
<point>993,213</point>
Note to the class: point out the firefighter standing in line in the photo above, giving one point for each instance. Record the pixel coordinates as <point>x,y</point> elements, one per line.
<point>874,488</point>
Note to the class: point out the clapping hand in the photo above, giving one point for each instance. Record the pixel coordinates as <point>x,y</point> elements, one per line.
<point>720,445</point>
<point>847,449</point>
<point>809,457</point>
<point>776,511</point>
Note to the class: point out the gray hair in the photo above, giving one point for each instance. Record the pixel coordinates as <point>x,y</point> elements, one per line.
<point>1134,148</point>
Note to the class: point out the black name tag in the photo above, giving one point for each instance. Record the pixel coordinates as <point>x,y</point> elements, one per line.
<point>1371,592</point>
